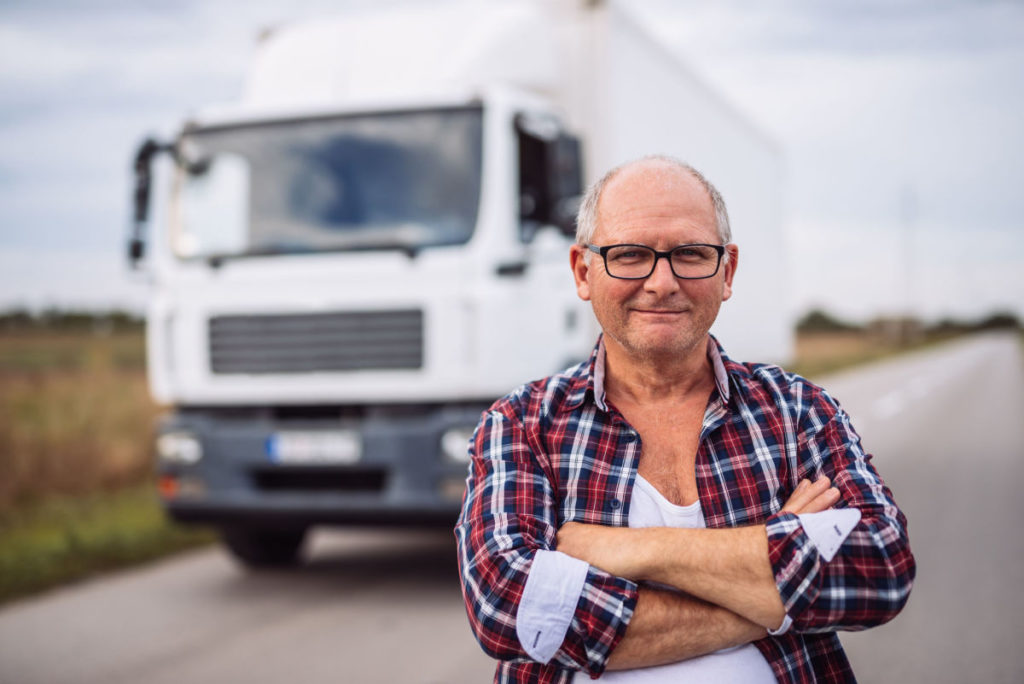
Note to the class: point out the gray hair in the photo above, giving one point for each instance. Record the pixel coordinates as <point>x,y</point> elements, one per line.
<point>586,218</point>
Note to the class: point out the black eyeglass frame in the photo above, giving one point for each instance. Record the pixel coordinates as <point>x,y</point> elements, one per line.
<point>603,251</point>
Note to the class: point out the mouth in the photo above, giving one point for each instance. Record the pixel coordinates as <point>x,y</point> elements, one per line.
<point>660,312</point>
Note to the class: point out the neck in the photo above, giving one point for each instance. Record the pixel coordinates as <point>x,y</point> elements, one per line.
<point>651,379</point>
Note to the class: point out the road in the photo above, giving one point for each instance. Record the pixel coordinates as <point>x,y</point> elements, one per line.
<point>370,606</point>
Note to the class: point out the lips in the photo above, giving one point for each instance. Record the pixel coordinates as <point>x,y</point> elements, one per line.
<point>659,312</point>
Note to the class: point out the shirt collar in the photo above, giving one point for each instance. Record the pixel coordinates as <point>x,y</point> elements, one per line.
<point>718,365</point>
<point>593,381</point>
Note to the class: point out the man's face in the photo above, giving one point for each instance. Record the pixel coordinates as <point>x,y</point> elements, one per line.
<point>658,205</point>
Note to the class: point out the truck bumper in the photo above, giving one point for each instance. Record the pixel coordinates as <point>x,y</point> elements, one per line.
<point>401,475</point>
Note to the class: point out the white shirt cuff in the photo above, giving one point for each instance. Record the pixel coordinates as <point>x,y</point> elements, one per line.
<point>787,622</point>
<point>828,530</point>
<point>549,600</point>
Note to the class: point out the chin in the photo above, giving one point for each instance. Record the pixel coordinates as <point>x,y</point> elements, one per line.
<point>657,346</point>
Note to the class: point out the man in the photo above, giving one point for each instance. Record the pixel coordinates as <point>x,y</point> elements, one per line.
<point>661,513</point>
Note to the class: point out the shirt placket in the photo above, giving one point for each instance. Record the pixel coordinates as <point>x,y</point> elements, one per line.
<point>711,488</point>
<point>627,457</point>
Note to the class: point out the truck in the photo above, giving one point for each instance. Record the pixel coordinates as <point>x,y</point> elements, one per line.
<point>352,261</point>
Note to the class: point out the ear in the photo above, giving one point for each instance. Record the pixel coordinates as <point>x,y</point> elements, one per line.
<point>580,271</point>
<point>730,269</point>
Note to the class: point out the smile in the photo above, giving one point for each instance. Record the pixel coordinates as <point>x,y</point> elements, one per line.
<point>659,312</point>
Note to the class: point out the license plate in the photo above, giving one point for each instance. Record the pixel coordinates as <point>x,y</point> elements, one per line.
<point>316,448</point>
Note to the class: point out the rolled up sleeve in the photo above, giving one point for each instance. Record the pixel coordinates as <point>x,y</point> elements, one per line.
<point>868,579</point>
<point>509,514</point>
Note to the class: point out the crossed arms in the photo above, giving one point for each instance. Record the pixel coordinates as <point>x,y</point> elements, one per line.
<point>513,513</point>
<point>730,594</point>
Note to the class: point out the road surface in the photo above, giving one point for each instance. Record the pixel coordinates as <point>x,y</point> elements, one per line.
<point>946,426</point>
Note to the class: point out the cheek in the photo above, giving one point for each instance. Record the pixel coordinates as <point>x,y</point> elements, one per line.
<point>708,292</point>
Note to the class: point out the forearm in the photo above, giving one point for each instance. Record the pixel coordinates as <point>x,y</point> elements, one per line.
<point>726,567</point>
<point>668,627</point>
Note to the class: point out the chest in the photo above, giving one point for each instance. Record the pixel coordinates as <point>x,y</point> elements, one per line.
<point>669,442</point>
<point>739,471</point>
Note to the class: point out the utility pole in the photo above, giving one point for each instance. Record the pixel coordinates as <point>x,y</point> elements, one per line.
<point>908,216</point>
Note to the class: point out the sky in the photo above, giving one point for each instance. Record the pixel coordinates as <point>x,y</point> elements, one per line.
<point>899,123</point>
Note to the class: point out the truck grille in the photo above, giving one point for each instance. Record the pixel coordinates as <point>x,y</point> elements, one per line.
<point>309,343</point>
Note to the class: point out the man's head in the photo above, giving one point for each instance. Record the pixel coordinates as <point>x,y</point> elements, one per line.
<point>586,218</point>
<point>661,203</point>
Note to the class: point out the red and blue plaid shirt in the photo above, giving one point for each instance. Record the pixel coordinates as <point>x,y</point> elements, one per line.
<point>553,452</point>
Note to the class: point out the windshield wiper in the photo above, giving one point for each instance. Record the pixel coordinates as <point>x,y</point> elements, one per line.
<point>409,249</point>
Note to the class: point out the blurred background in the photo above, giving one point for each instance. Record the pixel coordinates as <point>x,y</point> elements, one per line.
<point>896,127</point>
<point>898,124</point>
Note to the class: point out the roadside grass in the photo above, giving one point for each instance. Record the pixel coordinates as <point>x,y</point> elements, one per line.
<point>75,414</point>
<point>76,471</point>
<point>59,539</point>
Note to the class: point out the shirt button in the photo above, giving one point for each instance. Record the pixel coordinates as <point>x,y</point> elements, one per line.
<point>615,504</point>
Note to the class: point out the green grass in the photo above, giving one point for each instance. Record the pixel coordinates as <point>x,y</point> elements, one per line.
<point>61,539</point>
<point>76,465</point>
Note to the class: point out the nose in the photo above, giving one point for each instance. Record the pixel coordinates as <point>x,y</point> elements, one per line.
<point>662,280</point>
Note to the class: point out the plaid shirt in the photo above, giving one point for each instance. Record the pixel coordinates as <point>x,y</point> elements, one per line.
<point>553,452</point>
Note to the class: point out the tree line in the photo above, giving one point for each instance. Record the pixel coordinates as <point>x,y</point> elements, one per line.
<point>820,321</point>
<point>69,320</point>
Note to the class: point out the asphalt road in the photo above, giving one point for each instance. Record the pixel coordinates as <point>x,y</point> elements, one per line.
<point>384,606</point>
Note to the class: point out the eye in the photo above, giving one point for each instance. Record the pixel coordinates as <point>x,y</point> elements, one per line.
<point>691,253</point>
<point>628,254</point>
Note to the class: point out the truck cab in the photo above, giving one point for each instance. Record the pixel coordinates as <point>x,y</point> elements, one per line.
<point>340,293</point>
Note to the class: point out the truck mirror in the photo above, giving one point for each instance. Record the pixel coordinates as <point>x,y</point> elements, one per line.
<point>565,181</point>
<point>563,214</point>
<point>550,175</point>
<point>142,167</point>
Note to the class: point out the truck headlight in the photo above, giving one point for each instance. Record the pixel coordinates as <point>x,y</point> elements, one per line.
<point>455,444</point>
<point>179,448</point>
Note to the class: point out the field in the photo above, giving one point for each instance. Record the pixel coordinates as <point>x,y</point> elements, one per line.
<point>75,414</point>
<point>76,492</point>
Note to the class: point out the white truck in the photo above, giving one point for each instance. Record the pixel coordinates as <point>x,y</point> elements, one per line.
<point>350,263</point>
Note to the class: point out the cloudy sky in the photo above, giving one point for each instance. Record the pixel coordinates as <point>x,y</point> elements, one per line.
<point>899,121</point>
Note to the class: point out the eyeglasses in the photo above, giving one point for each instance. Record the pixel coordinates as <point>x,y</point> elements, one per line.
<point>636,262</point>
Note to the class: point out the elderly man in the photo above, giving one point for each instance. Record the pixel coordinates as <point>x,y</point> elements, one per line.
<point>661,513</point>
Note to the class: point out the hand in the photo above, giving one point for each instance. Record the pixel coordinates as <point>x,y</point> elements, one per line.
<point>612,549</point>
<point>812,497</point>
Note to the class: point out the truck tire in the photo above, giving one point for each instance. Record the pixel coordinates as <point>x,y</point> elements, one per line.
<point>258,548</point>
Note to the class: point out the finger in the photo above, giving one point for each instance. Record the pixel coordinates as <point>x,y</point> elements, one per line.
<point>805,492</point>
<point>823,501</point>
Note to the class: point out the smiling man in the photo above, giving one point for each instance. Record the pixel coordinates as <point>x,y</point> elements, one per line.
<point>661,513</point>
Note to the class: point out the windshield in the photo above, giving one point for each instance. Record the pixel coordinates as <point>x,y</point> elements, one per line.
<point>402,180</point>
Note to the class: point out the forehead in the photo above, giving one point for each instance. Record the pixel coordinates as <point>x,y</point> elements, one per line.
<point>655,203</point>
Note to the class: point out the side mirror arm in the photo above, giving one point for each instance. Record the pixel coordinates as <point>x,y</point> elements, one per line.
<point>143,180</point>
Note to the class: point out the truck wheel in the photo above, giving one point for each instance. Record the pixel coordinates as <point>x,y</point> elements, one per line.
<point>261,548</point>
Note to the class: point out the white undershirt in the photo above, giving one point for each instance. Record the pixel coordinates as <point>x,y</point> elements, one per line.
<point>739,665</point>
